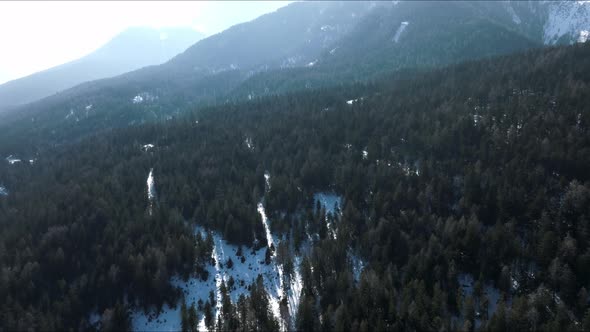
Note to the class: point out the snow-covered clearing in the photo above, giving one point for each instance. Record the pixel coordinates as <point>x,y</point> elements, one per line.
<point>330,202</point>
<point>3,191</point>
<point>243,273</point>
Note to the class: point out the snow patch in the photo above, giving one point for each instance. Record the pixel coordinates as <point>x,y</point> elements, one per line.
<point>330,202</point>
<point>267,180</point>
<point>12,160</point>
<point>352,101</point>
<point>143,97</point>
<point>151,191</point>
<point>400,30</point>
<point>584,34</point>
<point>3,191</point>
<point>408,170</point>
<point>515,284</point>
<point>243,273</point>
<point>296,285</point>
<point>262,212</point>
<point>147,147</point>
<point>357,266</point>
<point>151,188</point>
<point>249,143</point>
<point>476,119</point>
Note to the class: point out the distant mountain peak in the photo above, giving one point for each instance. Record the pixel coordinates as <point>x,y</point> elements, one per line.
<point>133,48</point>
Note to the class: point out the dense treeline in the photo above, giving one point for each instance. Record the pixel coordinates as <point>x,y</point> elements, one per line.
<point>479,168</point>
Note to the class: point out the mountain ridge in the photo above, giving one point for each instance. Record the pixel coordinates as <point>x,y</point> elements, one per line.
<point>132,49</point>
<point>341,42</point>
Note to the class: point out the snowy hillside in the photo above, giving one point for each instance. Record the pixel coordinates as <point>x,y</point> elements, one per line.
<point>567,21</point>
<point>237,268</point>
<point>243,271</point>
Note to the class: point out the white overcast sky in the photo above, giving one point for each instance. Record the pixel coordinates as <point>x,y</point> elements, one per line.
<point>36,35</point>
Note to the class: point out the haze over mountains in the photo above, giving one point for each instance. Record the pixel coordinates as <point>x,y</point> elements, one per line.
<point>131,49</point>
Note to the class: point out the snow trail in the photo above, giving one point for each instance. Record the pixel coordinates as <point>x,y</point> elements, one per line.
<point>400,30</point>
<point>269,238</point>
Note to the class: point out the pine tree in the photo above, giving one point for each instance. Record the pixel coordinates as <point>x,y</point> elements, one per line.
<point>192,318</point>
<point>184,319</point>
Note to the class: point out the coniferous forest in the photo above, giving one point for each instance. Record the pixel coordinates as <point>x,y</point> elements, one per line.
<point>477,174</point>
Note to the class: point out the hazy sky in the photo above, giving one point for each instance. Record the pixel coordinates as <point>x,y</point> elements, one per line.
<point>39,35</point>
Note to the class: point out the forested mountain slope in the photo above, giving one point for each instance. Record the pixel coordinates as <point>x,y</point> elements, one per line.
<point>132,49</point>
<point>465,195</point>
<point>305,45</point>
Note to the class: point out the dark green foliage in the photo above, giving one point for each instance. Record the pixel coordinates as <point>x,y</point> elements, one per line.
<point>490,198</point>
